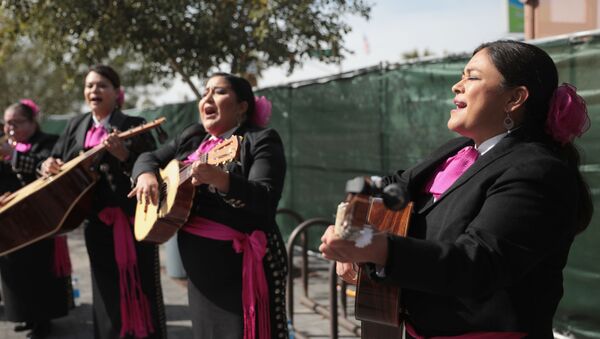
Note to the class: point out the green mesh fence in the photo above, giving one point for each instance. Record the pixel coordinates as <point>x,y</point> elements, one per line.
<point>378,120</point>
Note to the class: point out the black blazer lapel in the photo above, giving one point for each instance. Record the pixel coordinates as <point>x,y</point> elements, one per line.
<point>81,130</point>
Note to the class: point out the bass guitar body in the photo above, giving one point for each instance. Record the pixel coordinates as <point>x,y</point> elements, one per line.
<point>48,205</point>
<point>55,204</point>
<point>158,223</point>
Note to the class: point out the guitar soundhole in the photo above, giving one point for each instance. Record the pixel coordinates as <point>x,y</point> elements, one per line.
<point>162,193</point>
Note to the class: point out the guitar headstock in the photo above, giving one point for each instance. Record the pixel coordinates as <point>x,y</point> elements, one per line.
<point>352,216</point>
<point>226,151</point>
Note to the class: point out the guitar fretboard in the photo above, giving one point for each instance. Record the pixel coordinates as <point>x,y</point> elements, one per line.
<point>186,170</point>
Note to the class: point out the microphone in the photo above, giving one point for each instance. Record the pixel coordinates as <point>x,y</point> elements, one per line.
<point>394,196</point>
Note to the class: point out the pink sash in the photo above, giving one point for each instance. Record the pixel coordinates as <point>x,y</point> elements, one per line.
<point>62,261</point>
<point>135,310</point>
<point>255,294</point>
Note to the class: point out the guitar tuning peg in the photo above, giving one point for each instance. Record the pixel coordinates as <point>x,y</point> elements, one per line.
<point>104,168</point>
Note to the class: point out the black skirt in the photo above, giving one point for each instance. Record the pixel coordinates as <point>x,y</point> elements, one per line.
<point>31,290</point>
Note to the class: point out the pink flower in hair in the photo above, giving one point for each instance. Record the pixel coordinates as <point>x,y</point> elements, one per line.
<point>121,97</point>
<point>31,104</point>
<point>568,117</point>
<point>262,111</point>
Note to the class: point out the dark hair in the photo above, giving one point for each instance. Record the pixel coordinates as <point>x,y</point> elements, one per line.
<point>107,72</point>
<point>243,91</point>
<point>522,64</point>
<point>26,111</point>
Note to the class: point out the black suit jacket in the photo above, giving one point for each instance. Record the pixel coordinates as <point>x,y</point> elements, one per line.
<point>22,167</point>
<point>489,254</point>
<point>256,181</point>
<point>115,181</point>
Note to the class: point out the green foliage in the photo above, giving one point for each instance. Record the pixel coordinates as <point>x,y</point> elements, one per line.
<point>162,38</point>
<point>24,75</point>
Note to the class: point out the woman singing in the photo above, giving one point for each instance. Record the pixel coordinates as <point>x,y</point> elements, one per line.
<point>230,242</point>
<point>127,296</point>
<point>36,281</point>
<point>496,209</point>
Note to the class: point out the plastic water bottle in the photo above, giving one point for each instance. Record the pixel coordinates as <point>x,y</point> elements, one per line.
<point>290,329</point>
<point>75,287</point>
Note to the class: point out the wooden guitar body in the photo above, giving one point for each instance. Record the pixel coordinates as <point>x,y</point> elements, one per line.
<point>48,205</point>
<point>158,223</point>
<point>55,204</point>
<point>377,306</point>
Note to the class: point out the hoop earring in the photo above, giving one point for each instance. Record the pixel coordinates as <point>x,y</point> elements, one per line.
<point>508,123</point>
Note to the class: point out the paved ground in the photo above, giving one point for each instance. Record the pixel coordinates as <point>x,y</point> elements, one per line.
<point>78,324</point>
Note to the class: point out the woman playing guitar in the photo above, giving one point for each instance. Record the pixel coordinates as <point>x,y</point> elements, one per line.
<point>495,211</point>
<point>231,241</point>
<point>125,274</point>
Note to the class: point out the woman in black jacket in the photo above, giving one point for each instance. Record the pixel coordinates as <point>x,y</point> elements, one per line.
<point>232,226</point>
<point>34,292</point>
<point>488,242</point>
<point>127,295</point>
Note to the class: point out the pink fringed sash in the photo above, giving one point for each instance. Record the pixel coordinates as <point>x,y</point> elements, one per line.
<point>62,261</point>
<point>135,310</point>
<point>255,293</point>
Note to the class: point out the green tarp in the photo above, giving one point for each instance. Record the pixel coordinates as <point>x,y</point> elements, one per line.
<point>378,120</point>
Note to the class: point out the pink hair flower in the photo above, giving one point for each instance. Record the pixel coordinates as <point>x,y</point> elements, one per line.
<point>32,105</point>
<point>567,117</point>
<point>262,111</point>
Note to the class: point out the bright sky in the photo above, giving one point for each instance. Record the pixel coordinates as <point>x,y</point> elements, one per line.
<point>395,27</point>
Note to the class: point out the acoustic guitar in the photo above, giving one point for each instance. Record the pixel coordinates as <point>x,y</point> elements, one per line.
<point>158,223</point>
<point>377,306</point>
<point>55,204</point>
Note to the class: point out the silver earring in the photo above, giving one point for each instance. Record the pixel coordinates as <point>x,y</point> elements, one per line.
<point>240,119</point>
<point>508,122</point>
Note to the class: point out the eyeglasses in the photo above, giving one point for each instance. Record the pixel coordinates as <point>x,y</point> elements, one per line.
<point>16,123</point>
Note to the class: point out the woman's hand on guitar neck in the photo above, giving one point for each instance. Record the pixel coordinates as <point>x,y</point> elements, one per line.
<point>51,166</point>
<point>210,174</point>
<point>146,189</point>
<point>345,251</point>
<point>115,146</point>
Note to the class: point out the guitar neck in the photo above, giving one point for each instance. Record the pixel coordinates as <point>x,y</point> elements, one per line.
<point>126,135</point>
<point>185,172</point>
